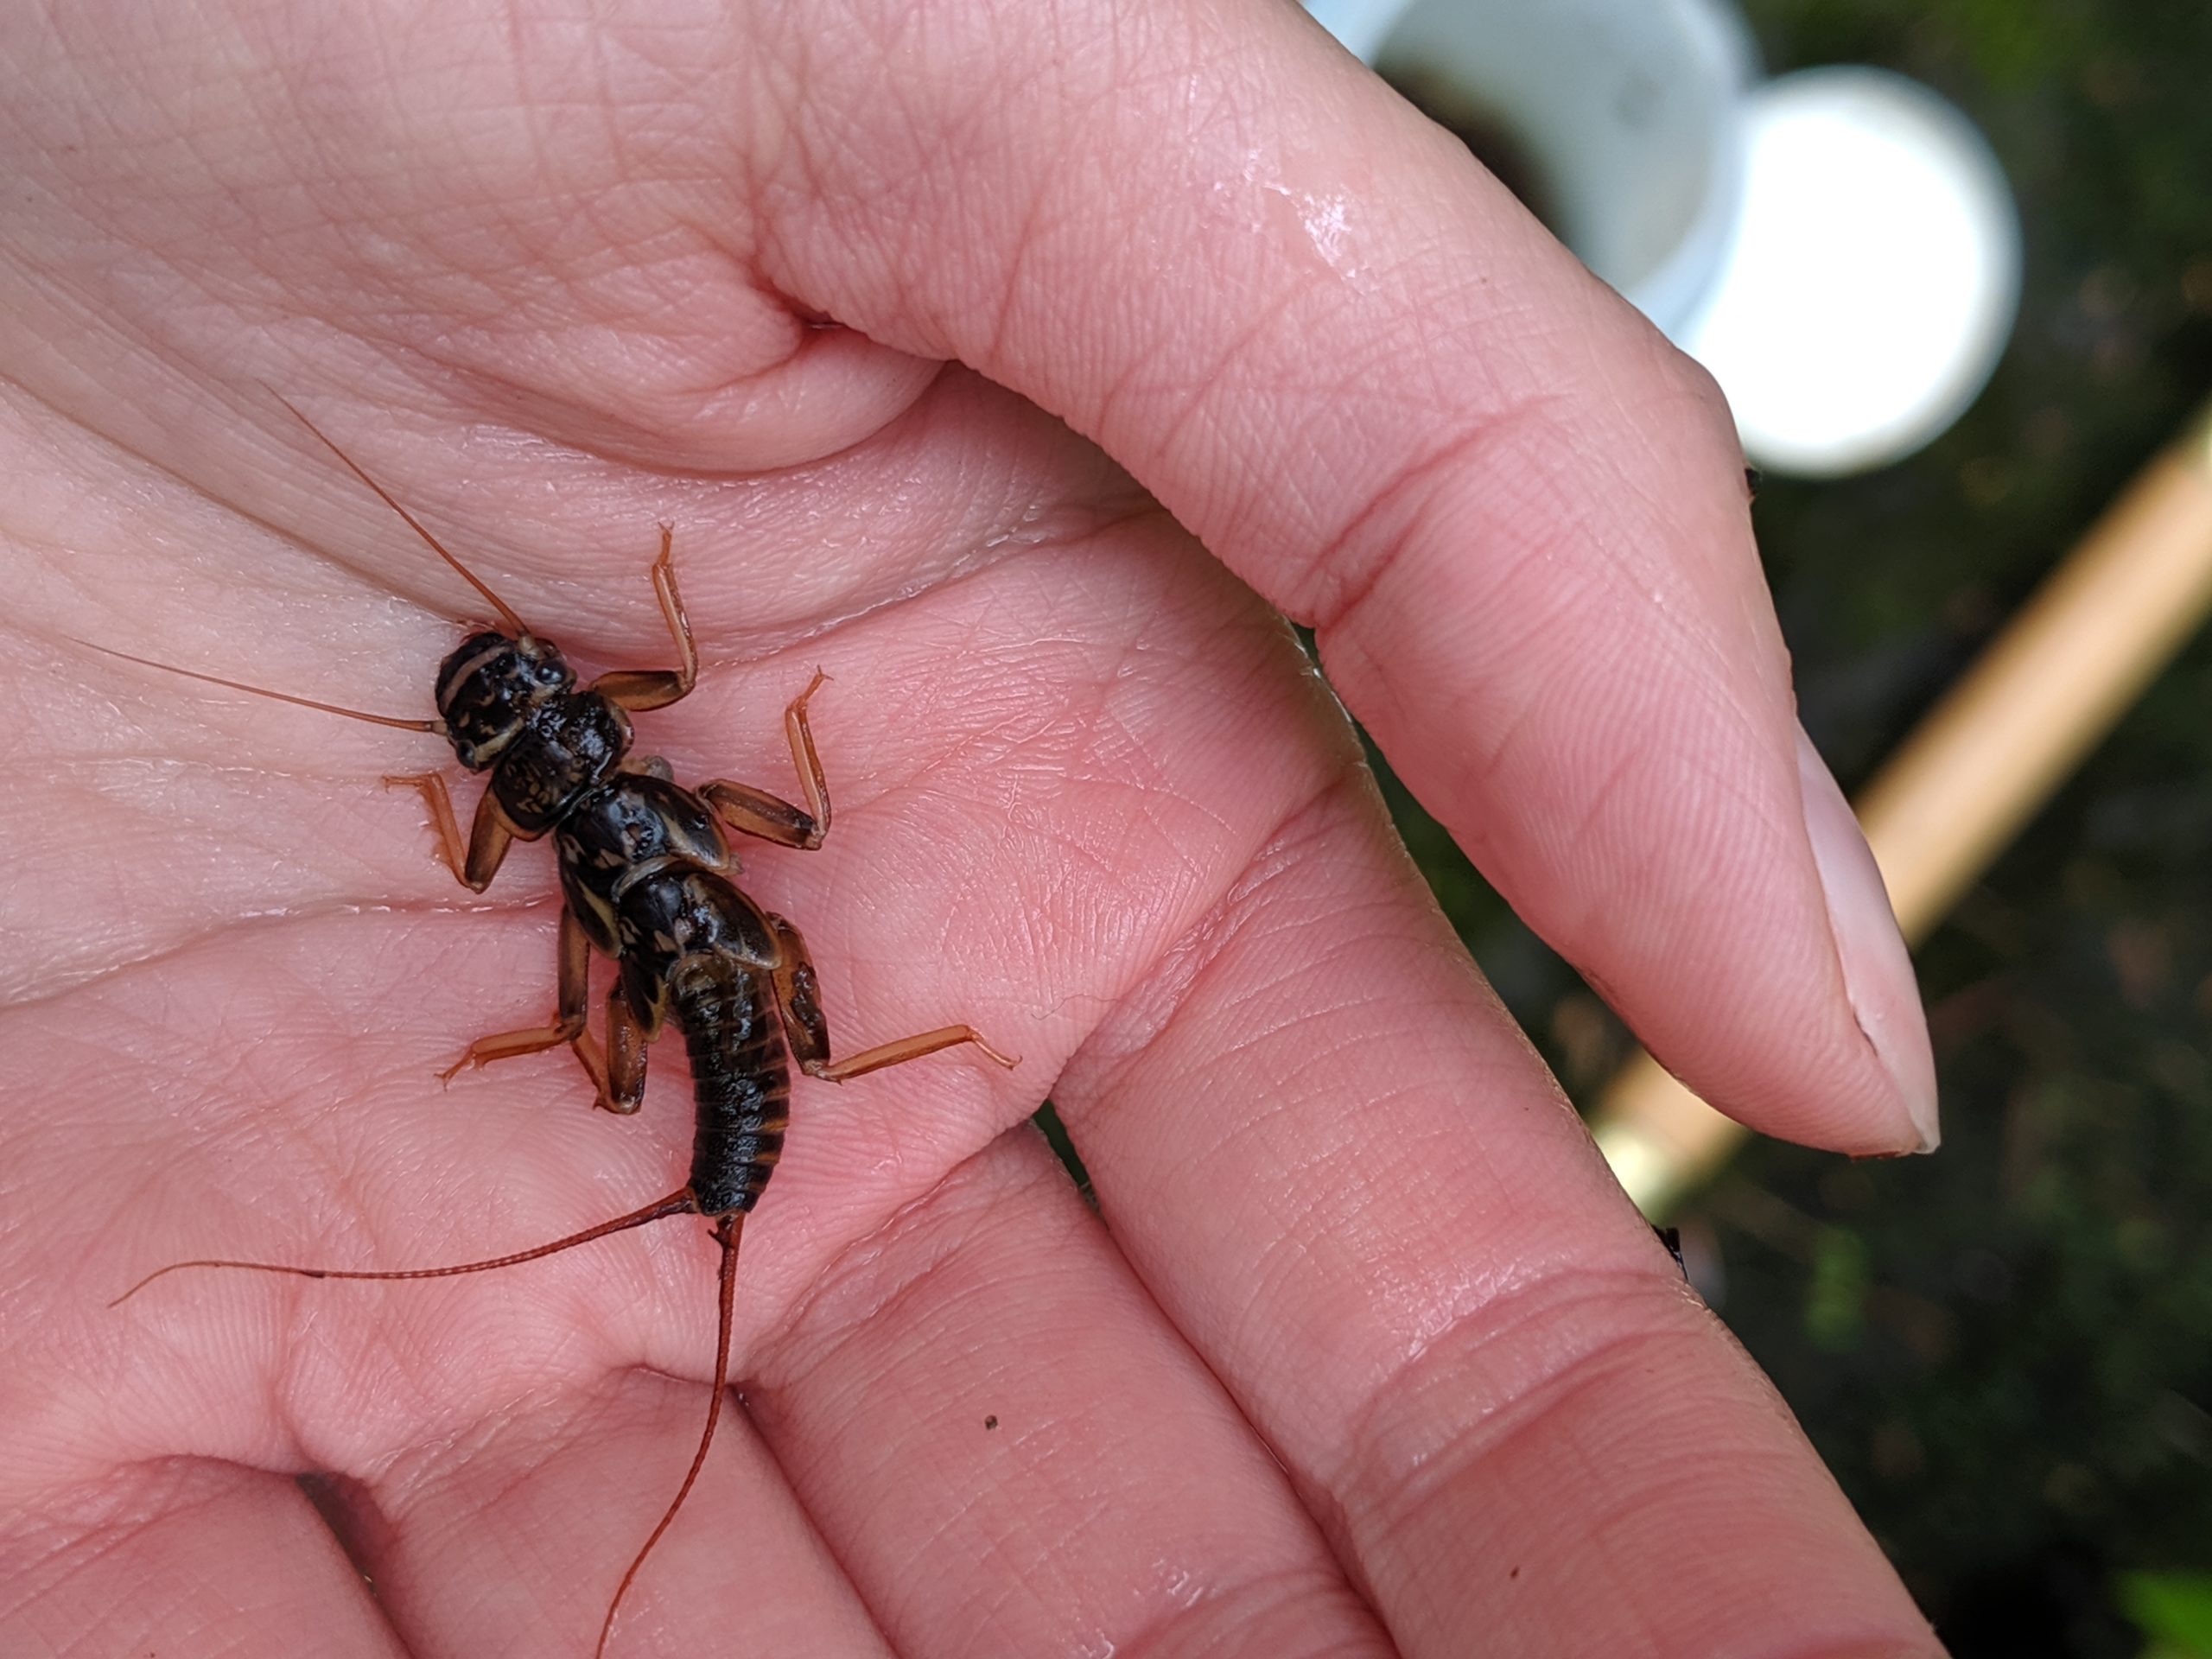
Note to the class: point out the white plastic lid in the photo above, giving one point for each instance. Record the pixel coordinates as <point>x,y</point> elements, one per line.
<point>1874,277</point>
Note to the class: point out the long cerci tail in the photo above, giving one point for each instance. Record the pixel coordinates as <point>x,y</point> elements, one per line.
<point>728,1228</point>
<point>676,1204</point>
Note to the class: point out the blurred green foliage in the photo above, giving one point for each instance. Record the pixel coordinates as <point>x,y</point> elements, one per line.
<point>2004,1351</point>
<point>2174,1610</point>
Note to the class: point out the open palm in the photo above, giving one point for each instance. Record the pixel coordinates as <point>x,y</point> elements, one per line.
<point>1368,1354</point>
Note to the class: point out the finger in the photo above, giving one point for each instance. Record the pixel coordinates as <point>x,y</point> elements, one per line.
<point>515,1539</point>
<point>1347,1180</point>
<point>1012,1452</point>
<point>186,1557</point>
<point>1348,360</point>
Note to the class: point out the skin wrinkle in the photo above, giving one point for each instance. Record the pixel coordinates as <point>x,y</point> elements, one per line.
<point>542,173</point>
<point>1018,248</point>
<point>1129,1026</point>
<point>1569,930</point>
<point>859,1260</point>
<point>1608,894</point>
<point>1622,1516</point>
<point>938,154</point>
<point>55,988</point>
<point>1607,914</point>
<point>1716,783</point>
<point>1340,642</point>
<point>162,475</point>
<point>1325,944</point>
<point>1218,935</point>
<point>1339,580</point>
<point>1099,416</point>
<point>748,1421</point>
<point>1315,428</point>
<point>411,1363</point>
<point>1092,1509</point>
<point>1140,970</point>
<point>1517,1314</point>
<point>999,745</point>
<point>1707,657</point>
<point>1376,1511</point>
<point>1530,562</point>
<point>89,1543</point>
<point>1213,399</point>
<point>653,1411</point>
<point>1191,397</point>
<point>96,1507</point>
<point>1658,1502</point>
<point>1249,1614</point>
<point>1641,417</point>
<point>1015,527</point>
<point>1150,835</point>
<point>991,1591</point>
<point>445,1460</point>
<point>434,1459</point>
<point>1599,1581</point>
<point>1322,1194</point>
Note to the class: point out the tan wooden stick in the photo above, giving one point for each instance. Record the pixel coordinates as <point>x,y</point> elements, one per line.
<point>2074,660</point>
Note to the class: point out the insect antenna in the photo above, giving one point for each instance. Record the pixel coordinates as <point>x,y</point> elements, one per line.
<point>515,624</point>
<point>437,728</point>
<point>676,1204</point>
<point>728,1228</point>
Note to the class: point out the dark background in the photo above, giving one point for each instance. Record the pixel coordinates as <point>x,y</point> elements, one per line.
<point>2004,1352</point>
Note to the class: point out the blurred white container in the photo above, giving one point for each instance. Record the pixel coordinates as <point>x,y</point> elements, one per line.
<point>1837,246</point>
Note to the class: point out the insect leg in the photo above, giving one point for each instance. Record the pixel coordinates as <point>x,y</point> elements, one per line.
<point>807,1030</point>
<point>755,813</point>
<point>637,689</point>
<point>905,1048</point>
<point>622,1086</point>
<point>568,1027</point>
<point>489,832</point>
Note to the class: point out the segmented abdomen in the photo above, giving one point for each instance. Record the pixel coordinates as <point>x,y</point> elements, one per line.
<point>741,1076</point>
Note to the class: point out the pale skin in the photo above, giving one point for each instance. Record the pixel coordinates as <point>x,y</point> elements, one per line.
<point>1370,1356</point>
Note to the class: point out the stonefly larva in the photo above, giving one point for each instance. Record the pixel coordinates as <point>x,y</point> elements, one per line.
<point>645,879</point>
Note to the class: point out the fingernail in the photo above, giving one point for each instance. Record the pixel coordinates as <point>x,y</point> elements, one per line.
<point>1877,970</point>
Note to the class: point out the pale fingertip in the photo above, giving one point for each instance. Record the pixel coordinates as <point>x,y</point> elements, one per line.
<point>1877,973</point>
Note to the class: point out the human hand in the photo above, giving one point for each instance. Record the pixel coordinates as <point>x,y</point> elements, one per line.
<point>1374,1356</point>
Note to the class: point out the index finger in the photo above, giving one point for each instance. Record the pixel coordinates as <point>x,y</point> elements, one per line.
<point>1343,355</point>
